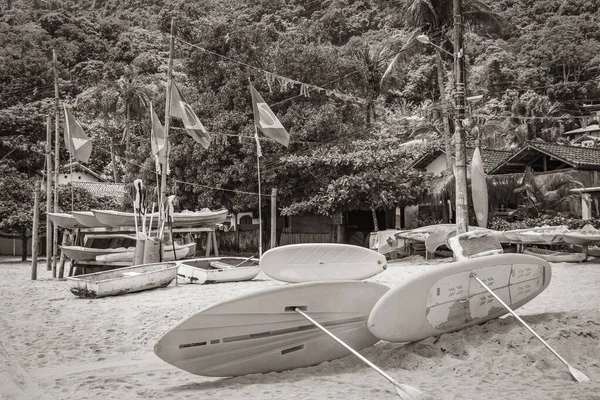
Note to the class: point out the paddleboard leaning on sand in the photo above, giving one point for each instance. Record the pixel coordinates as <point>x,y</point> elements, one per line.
<point>267,331</point>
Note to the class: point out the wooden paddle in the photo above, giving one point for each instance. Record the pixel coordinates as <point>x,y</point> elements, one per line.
<point>578,375</point>
<point>405,392</point>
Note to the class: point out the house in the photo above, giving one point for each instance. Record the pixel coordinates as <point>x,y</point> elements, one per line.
<point>75,172</point>
<point>434,162</point>
<point>576,134</point>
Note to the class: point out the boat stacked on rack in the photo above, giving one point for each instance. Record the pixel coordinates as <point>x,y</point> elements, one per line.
<point>119,219</point>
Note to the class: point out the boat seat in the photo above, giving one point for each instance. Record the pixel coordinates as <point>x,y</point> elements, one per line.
<point>474,244</point>
<point>220,265</point>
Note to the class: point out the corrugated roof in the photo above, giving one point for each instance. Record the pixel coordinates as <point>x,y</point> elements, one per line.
<point>560,156</point>
<point>588,129</point>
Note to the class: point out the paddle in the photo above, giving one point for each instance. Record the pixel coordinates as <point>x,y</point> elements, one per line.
<point>405,392</point>
<point>578,375</point>
<point>170,217</point>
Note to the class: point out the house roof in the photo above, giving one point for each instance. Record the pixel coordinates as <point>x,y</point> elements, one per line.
<point>588,129</point>
<point>490,158</point>
<point>77,166</point>
<point>557,157</point>
<point>115,191</point>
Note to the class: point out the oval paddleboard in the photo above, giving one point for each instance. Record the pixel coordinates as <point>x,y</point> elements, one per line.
<point>448,299</point>
<point>479,189</point>
<point>260,332</point>
<point>321,262</point>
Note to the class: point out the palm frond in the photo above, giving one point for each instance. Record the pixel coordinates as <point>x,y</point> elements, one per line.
<point>406,51</point>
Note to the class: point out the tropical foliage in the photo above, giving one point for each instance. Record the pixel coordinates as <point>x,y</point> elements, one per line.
<point>534,75</point>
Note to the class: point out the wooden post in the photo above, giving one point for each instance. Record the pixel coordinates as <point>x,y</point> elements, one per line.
<point>56,162</point>
<point>35,234</point>
<point>48,192</point>
<point>65,240</point>
<point>273,218</point>
<point>339,219</point>
<point>214,241</point>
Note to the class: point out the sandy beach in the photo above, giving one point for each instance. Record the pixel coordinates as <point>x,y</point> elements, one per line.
<point>57,346</point>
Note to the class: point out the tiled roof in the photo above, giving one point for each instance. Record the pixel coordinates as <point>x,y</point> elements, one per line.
<point>559,157</point>
<point>116,191</point>
<point>491,158</point>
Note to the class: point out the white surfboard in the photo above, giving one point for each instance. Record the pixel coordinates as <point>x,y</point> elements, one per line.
<point>448,299</point>
<point>261,332</point>
<point>321,262</point>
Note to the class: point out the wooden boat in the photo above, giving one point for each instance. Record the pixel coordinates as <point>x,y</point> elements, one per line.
<point>181,251</point>
<point>555,256</point>
<point>87,219</point>
<point>123,280</point>
<point>218,269</point>
<point>184,219</point>
<point>64,220</point>
<point>81,253</point>
<point>119,219</point>
<point>584,236</point>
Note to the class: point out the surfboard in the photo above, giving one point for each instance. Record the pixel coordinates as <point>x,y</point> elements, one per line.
<point>479,189</point>
<point>447,299</point>
<point>321,262</point>
<point>260,332</point>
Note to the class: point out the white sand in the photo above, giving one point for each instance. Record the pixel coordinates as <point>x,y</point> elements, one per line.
<point>56,346</point>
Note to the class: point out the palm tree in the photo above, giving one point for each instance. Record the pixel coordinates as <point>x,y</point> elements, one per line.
<point>134,96</point>
<point>433,18</point>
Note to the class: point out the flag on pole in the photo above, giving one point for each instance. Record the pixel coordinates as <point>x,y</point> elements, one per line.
<point>160,149</point>
<point>76,141</point>
<point>182,110</point>
<point>266,121</point>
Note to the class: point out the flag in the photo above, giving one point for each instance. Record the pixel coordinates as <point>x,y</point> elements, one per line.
<point>266,121</point>
<point>182,110</point>
<point>159,149</point>
<point>76,141</point>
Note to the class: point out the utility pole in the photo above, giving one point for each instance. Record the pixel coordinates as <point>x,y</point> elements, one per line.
<point>460,169</point>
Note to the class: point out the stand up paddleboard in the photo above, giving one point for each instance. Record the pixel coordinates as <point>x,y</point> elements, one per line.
<point>262,332</point>
<point>448,299</point>
<point>321,262</point>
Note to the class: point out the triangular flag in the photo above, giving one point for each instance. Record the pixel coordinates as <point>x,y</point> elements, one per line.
<point>76,141</point>
<point>266,121</point>
<point>157,141</point>
<point>182,110</point>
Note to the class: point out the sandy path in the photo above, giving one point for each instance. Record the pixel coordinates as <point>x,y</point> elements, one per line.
<point>56,346</point>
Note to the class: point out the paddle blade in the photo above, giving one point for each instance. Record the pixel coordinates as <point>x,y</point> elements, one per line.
<point>407,392</point>
<point>578,375</point>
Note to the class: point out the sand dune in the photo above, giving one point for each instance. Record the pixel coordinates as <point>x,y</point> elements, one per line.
<point>56,346</point>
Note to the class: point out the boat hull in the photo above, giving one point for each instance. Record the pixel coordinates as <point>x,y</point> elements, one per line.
<point>218,270</point>
<point>123,280</point>
<point>64,220</point>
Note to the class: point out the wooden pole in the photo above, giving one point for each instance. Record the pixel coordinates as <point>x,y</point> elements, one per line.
<point>48,192</point>
<point>460,173</point>
<point>36,226</point>
<point>56,162</point>
<point>273,218</point>
<point>163,176</point>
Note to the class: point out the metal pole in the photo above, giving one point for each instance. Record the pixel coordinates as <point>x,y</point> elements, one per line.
<point>56,162</point>
<point>273,218</point>
<point>460,172</point>
<point>163,176</point>
<point>48,192</point>
<point>259,194</point>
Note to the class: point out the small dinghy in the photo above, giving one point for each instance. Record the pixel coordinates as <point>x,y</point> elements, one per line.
<point>218,269</point>
<point>123,280</point>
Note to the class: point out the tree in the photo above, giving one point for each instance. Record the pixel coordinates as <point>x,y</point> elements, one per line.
<point>432,19</point>
<point>16,204</point>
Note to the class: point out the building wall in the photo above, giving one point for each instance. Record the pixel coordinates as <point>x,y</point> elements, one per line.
<point>438,165</point>
<point>65,178</point>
